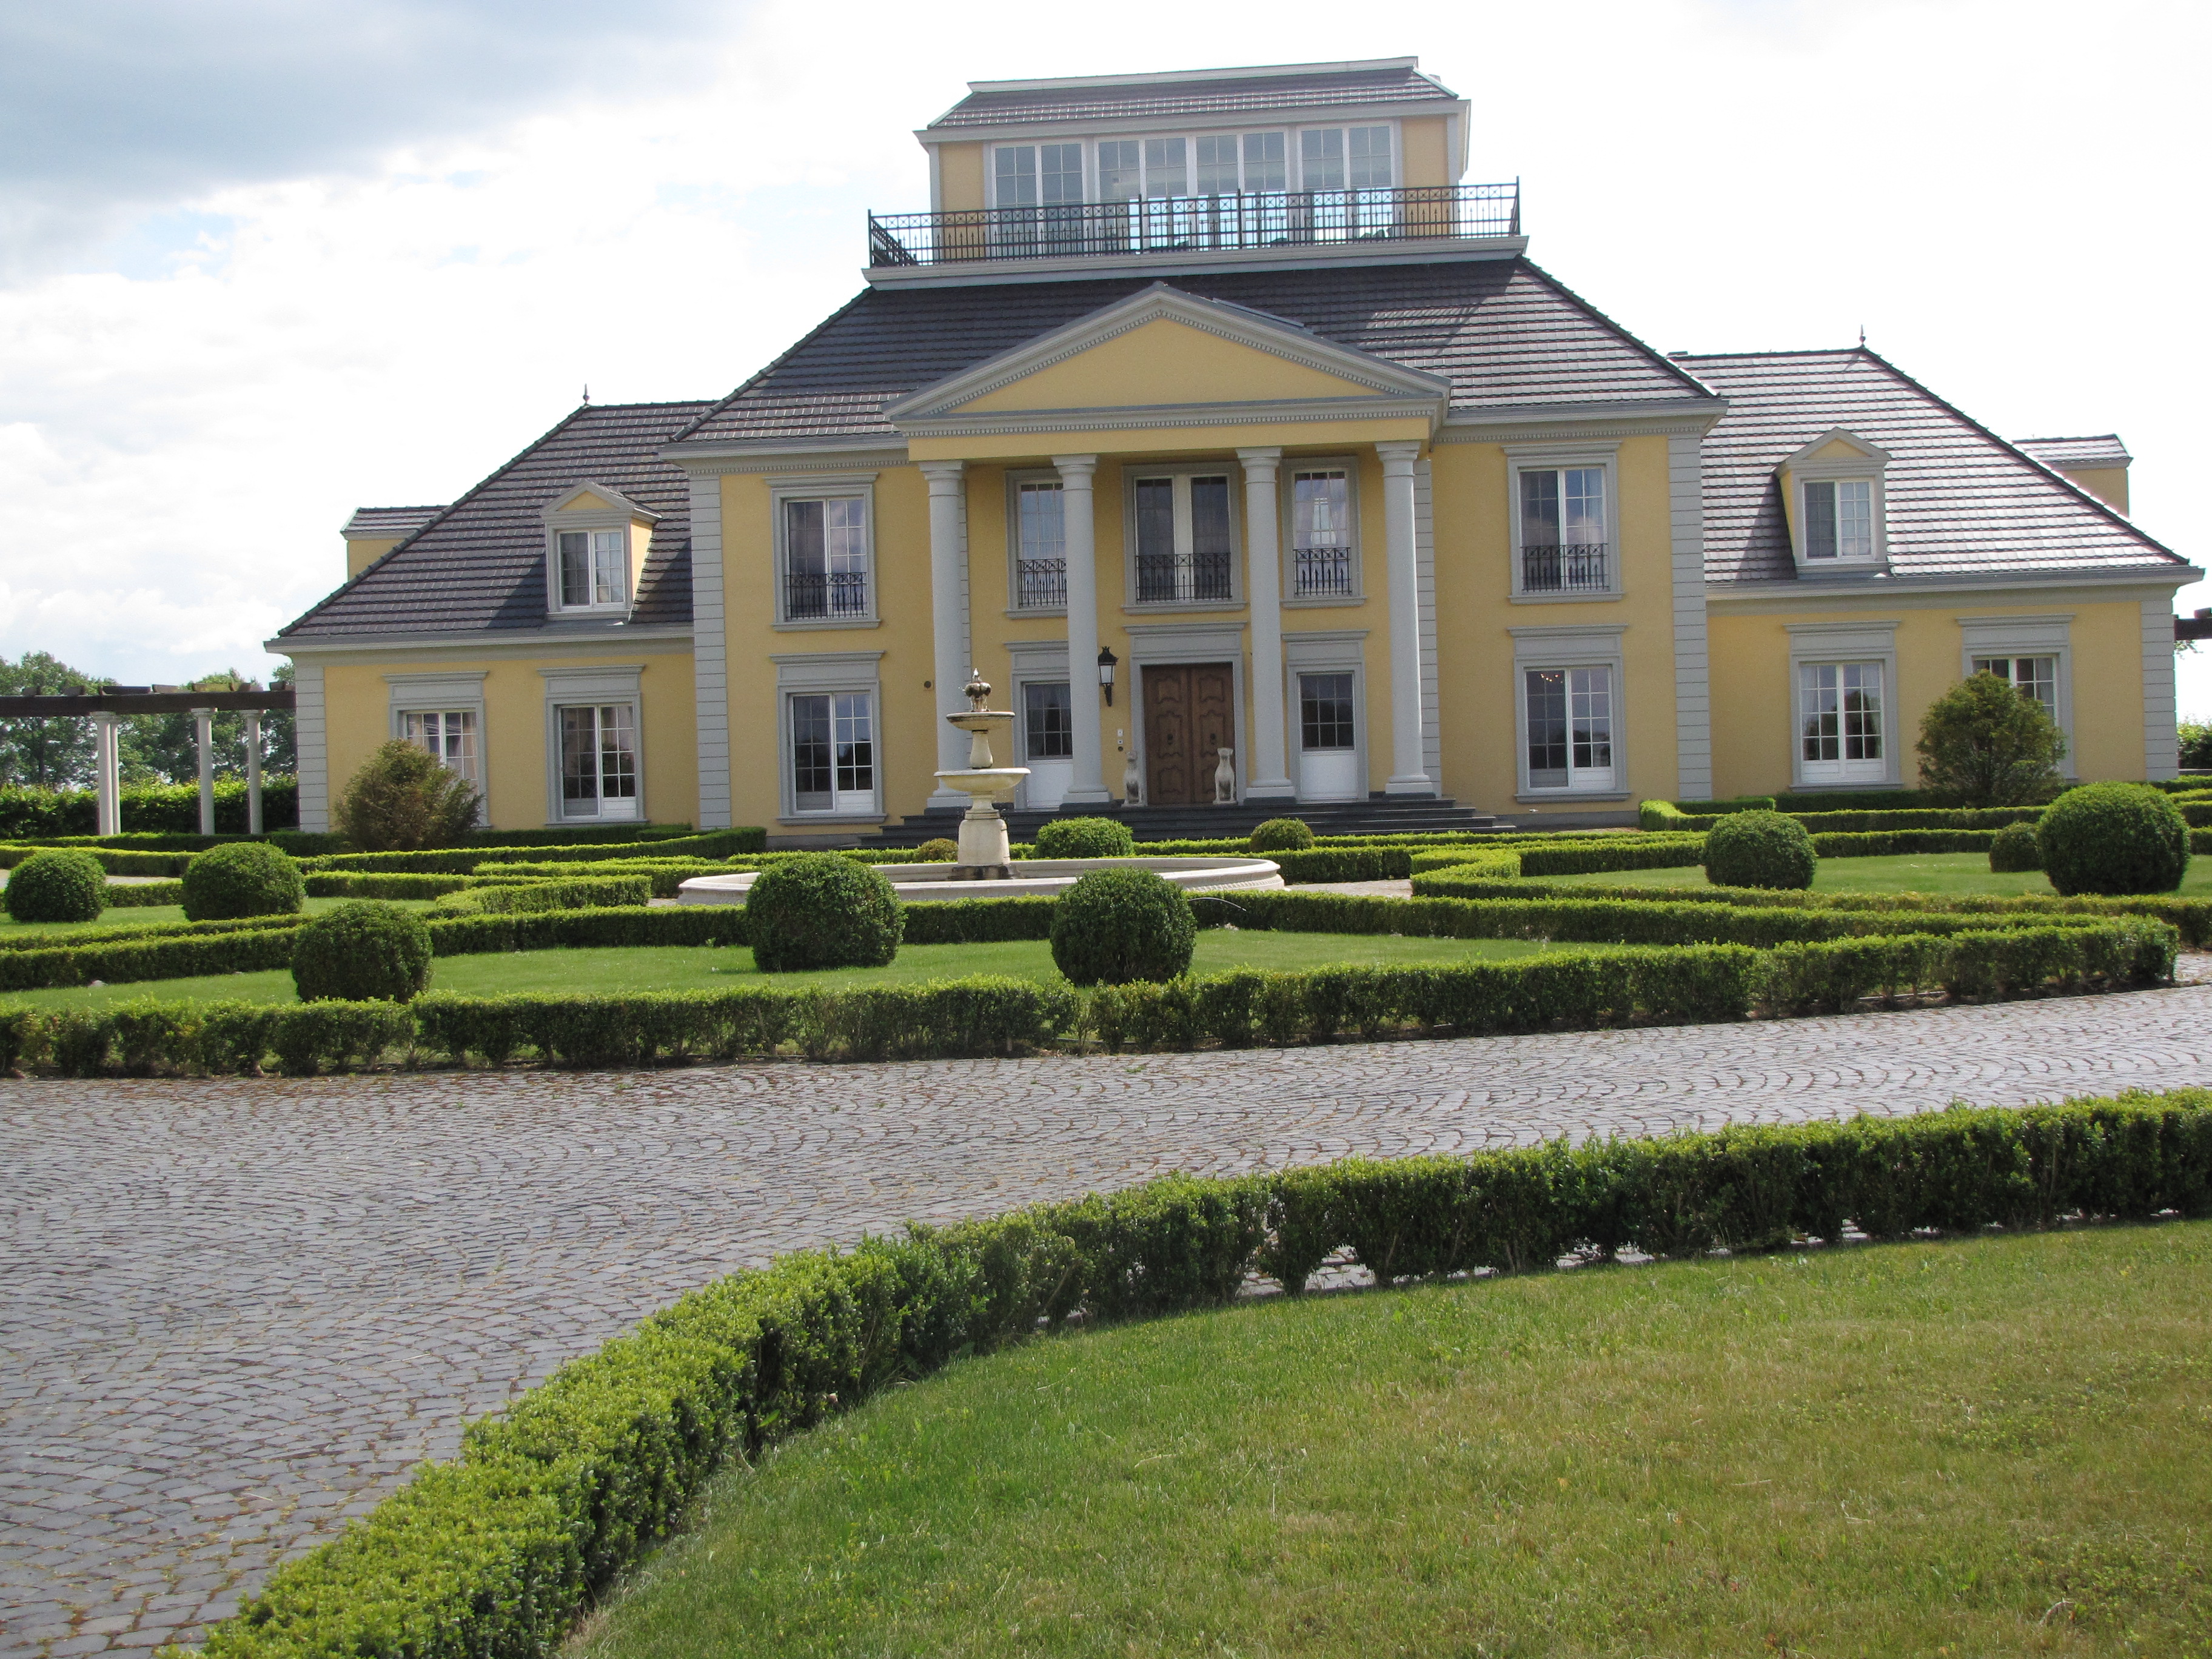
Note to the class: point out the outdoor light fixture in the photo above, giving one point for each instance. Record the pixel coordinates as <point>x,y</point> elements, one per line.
<point>1106,661</point>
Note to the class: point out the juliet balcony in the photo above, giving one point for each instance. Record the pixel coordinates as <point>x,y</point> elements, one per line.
<point>1170,228</point>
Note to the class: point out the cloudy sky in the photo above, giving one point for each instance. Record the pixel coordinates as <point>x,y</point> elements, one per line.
<point>263,261</point>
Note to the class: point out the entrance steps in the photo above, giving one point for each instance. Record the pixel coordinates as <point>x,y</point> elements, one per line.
<point>1378,815</point>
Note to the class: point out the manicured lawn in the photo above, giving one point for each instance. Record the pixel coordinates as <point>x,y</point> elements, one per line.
<point>140,916</point>
<point>1992,1447</point>
<point>670,968</point>
<point>1907,873</point>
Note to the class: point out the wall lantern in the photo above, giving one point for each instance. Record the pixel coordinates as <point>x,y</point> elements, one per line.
<point>1106,661</point>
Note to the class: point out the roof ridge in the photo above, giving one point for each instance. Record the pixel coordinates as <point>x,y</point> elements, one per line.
<point>2073,438</point>
<point>1784,351</point>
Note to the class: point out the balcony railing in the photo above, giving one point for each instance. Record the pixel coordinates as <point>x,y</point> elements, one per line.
<point>809,595</point>
<point>1194,224</point>
<point>1577,567</point>
<point>1165,578</point>
<point>1318,572</point>
<point>1042,584</point>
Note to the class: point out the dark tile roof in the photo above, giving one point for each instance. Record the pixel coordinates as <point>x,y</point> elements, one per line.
<point>1232,95</point>
<point>481,562</point>
<point>1961,500</point>
<point>1502,331</point>
<point>2105,449</point>
<point>379,523</point>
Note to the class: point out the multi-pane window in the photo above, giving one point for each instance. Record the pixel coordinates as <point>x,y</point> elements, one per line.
<point>1320,533</point>
<point>1563,532</point>
<point>1039,546</point>
<point>599,760</point>
<point>1325,712</point>
<point>1839,722</point>
<point>2035,678</point>
<point>1184,547</point>
<point>1840,520</point>
<point>1203,164</point>
<point>833,752</point>
<point>1048,721</point>
<point>1034,175</point>
<point>825,558</point>
<point>1570,722</point>
<point>1340,158</point>
<point>594,568</point>
<point>449,733</point>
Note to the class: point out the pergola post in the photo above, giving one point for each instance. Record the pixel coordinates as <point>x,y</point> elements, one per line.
<point>105,735</point>
<point>253,771</point>
<point>204,734</point>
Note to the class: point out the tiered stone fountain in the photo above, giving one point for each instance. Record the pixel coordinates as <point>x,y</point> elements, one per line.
<point>985,854</point>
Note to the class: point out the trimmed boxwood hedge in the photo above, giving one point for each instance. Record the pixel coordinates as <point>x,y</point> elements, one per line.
<point>2113,838</point>
<point>1084,838</point>
<point>583,893</point>
<point>365,951</point>
<point>2014,849</point>
<point>1117,924</point>
<point>1760,849</point>
<point>63,885</point>
<point>244,878</point>
<point>498,1551</point>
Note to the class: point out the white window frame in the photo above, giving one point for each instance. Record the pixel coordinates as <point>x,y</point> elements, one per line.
<point>1288,516</point>
<point>1844,643</point>
<point>1568,647</point>
<point>837,673</point>
<point>860,487</point>
<point>597,687</point>
<point>1044,660</point>
<point>1182,471</point>
<point>1294,182</point>
<point>2027,636</point>
<point>1326,651</point>
<point>444,694</point>
<point>1869,467</point>
<point>1558,458</point>
<point>1016,477</point>
<point>617,516</point>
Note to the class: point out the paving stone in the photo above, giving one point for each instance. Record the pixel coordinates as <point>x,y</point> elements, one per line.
<point>236,1311</point>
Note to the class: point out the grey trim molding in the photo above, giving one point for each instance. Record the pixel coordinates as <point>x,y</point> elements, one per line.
<point>594,683</point>
<point>495,641</point>
<point>311,740</point>
<point>1874,589</point>
<point>1619,418</point>
<point>994,423</point>
<point>782,455</point>
<point>710,652</point>
<point>2161,744</point>
<point>1090,267</point>
<point>1425,568</point>
<point>1693,718</point>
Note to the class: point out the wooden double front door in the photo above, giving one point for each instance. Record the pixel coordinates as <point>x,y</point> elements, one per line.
<point>1190,716</point>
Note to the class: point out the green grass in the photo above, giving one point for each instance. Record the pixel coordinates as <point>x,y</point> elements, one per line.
<point>1987,1447</point>
<point>674,968</point>
<point>1904,873</point>
<point>142,916</point>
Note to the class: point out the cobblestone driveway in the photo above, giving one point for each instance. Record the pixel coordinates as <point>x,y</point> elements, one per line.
<point>235,1313</point>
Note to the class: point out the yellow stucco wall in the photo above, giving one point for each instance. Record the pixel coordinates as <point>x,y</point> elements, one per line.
<point>960,177</point>
<point>364,551</point>
<point>1165,361</point>
<point>2109,484</point>
<point>1426,151</point>
<point>1753,701</point>
<point>358,701</point>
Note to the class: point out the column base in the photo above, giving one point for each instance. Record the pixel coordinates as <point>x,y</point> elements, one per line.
<point>1096,795</point>
<point>1272,789</point>
<point>1418,784</point>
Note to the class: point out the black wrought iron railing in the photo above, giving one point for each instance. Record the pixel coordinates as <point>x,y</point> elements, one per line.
<point>1164,577</point>
<point>1194,224</point>
<point>1318,572</point>
<point>1042,584</point>
<point>1575,567</point>
<point>808,594</point>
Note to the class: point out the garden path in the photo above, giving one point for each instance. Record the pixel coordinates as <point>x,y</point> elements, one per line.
<point>236,1312</point>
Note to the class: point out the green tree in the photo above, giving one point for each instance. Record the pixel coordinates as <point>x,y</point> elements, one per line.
<point>402,798</point>
<point>1989,743</point>
<point>45,754</point>
<point>161,748</point>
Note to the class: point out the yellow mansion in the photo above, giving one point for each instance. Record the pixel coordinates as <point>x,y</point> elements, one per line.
<point>1241,446</point>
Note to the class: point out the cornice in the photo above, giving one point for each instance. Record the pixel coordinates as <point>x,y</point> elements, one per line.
<point>1883,590</point>
<point>1096,125</point>
<point>1685,416</point>
<point>709,459</point>
<point>1092,267</point>
<point>497,641</point>
<point>1141,417</point>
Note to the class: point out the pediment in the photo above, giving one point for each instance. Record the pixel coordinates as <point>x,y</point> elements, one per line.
<point>597,498</point>
<point>1164,349</point>
<point>1838,446</point>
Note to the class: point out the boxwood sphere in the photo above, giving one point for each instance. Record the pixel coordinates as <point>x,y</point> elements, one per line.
<point>1759,849</point>
<point>938,849</point>
<point>2014,848</point>
<point>1282,836</point>
<point>818,910</point>
<point>364,952</point>
<point>2113,838</point>
<point>243,878</point>
<point>1116,926</point>
<point>60,885</point>
<point>1084,838</point>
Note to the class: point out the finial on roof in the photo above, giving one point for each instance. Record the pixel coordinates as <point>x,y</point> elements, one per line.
<point>588,385</point>
<point>1861,344</point>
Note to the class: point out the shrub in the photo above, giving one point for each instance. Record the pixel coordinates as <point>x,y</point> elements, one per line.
<point>2196,739</point>
<point>937,850</point>
<point>367,951</point>
<point>61,885</point>
<point>822,911</point>
<point>1985,743</point>
<point>1282,836</point>
<point>1084,838</point>
<point>1116,925</point>
<point>1757,849</point>
<point>2113,838</point>
<point>242,879</point>
<point>403,799</point>
<point>2016,848</point>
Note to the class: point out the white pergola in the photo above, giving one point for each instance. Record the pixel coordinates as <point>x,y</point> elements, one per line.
<point>105,709</point>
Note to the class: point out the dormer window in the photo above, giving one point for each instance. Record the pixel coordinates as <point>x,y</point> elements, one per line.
<point>1831,492</point>
<point>594,569</point>
<point>1839,519</point>
<point>596,543</point>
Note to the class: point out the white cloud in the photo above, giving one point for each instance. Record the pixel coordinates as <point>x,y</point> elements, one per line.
<point>1998,192</point>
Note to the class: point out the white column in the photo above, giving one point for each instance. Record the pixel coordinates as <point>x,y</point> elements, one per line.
<point>253,771</point>
<point>1408,775</point>
<point>948,557</point>
<point>202,719</point>
<point>1267,777</point>
<point>106,735</point>
<point>1079,518</point>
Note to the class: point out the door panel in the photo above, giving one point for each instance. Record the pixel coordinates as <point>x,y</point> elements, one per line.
<point>1189,717</point>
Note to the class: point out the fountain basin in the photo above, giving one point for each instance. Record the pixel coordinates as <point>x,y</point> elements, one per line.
<point>1032,878</point>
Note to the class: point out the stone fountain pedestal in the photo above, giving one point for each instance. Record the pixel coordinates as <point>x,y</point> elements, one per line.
<point>986,853</point>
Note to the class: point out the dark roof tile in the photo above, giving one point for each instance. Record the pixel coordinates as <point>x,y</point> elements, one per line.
<point>2105,449</point>
<point>378,523</point>
<point>1230,95</point>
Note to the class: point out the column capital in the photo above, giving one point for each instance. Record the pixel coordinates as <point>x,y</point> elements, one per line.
<point>1262,460</point>
<point>1075,467</point>
<point>1397,457</point>
<point>943,474</point>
